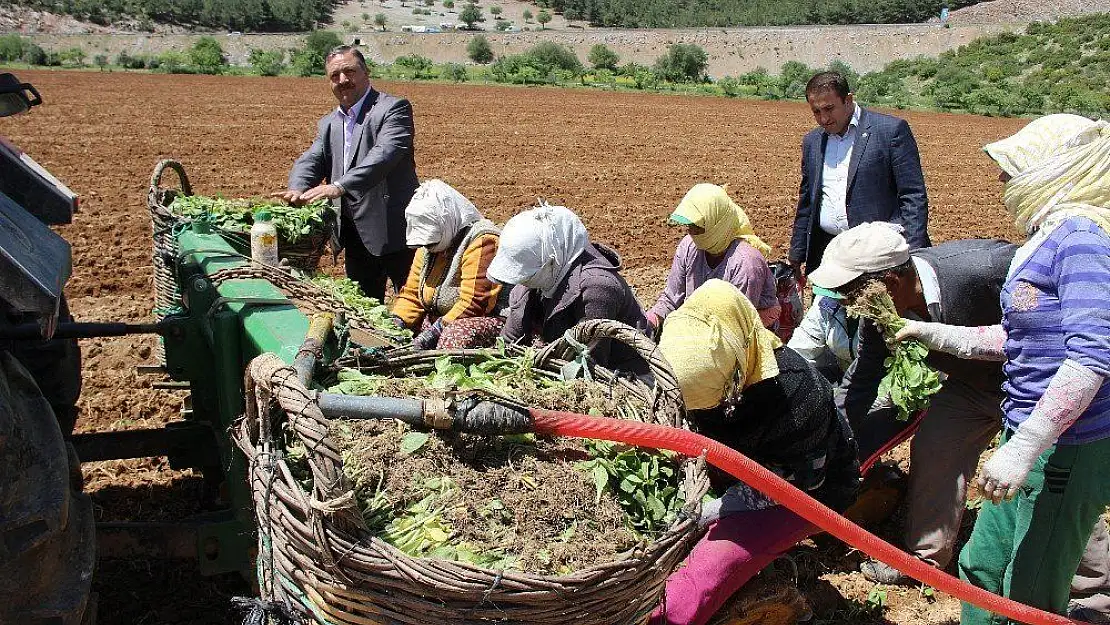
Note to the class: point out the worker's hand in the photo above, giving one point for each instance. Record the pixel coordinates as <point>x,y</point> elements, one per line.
<point>322,192</point>
<point>427,339</point>
<point>912,330</point>
<point>799,269</point>
<point>1005,472</point>
<point>290,195</point>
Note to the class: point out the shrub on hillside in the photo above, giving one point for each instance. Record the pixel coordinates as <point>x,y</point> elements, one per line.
<point>602,57</point>
<point>33,54</point>
<point>267,62</point>
<point>455,72</point>
<point>479,50</point>
<point>11,47</point>
<point>207,56</point>
<point>412,66</point>
<point>730,86</point>
<point>548,56</point>
<point>683,62</point>
<point>309,60</point>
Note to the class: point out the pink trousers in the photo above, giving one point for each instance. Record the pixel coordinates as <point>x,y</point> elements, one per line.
<point>733,551</point>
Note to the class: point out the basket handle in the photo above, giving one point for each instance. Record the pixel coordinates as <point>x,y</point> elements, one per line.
<point>585,332</point>
<point>160,168</point>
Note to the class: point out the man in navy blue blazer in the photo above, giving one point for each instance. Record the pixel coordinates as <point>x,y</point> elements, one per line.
<point>859,166</point>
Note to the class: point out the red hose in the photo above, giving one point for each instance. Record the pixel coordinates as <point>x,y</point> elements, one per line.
<point>743,468</point>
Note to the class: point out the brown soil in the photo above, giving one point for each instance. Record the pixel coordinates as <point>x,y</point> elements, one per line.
<point>621,160</point>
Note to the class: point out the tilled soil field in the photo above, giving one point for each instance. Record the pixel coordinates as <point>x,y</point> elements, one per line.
<point>621,160</point>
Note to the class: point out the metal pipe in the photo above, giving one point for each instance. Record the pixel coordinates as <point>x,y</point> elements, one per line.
<point>82,330</point>
<point>319,326</point>
<point>334,406</point>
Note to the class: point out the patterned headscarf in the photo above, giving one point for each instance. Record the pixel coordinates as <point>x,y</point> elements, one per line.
<point>715,342</point>
<point>1059,167</point>
<point>709,206</point>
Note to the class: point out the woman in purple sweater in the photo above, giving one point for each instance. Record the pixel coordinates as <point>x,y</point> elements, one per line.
<point>1046,484</point>
<point>721,244</point>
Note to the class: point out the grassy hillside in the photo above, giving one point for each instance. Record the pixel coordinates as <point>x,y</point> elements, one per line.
<point>1052,67</point>
<point>693,13</point>
<point>253,15</point>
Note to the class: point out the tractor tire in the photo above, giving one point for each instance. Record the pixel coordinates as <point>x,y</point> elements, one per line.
<point>768,599</point>
<point>47,533</point>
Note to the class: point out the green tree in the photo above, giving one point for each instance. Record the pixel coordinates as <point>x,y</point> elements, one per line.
<point>414,66</point>
<point>548,56</point>
<point>503,25</point>
<point>455,72</point>
<point>602,57</point>
<point>365,17</point>
<point>207,55</point>
<point>11,47</point>
<point>33,54</point>
<point>471,15</point>
<point>448,4</point>
<point>309,61</point>
<point>380,20</point>
<point>479,50</point>
<point>527,15</point>
<point>495,10</point>
<point>267,62</point>
<point>543,17</point>
<point>730,86</point>
<point>683,62</point>
<point>847,72</point>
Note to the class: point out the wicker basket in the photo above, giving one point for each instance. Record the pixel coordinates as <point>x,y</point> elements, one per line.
<point>316,556</point>
<point>304,253</point>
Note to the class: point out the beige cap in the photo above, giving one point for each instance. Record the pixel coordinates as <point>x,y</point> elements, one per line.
<point>869,247</point>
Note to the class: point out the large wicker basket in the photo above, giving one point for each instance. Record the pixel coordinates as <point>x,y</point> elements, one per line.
<point>316,557</point>
<point>304,253</point>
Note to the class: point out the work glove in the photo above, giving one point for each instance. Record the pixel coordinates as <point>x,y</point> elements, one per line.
<point>738,498</point>
<point>1069,393</point>
<point>972,343</point>
<point>428,339</point>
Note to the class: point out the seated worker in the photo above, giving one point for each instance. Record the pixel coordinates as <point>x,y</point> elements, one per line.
<point>447,299</point>
<point>957,283</point>
<point>827,338</point>
<point>720,244</point>
<point>744,389</point>
<point>563,278</point>
<point>1045,485</point>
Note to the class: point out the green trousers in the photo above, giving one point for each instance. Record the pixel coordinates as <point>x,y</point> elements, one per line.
<point>1028,548</point>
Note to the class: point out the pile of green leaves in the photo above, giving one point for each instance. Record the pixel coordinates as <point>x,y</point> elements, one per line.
<point>909,381</point>
<point>644,482</point>
<point>292,222</point>
<point>369,309</point>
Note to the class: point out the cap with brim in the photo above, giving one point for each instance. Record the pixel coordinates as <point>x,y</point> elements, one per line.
<point>831,275</point>
<point>680,220</point>
<point>829,293</point>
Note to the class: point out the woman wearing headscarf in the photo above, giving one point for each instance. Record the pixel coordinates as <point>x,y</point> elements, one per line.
<point>720,244</point>
<point>563,278</point>
<point>742,387</point>
<point>448,299</point>
<point>1046,484</point>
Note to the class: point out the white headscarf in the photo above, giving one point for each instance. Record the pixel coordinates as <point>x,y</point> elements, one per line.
<point>538,247</point>
<point>436,214</point>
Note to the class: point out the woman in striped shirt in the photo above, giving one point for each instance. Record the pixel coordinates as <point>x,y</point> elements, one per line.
<point>447,298</point>
<point>1046,484</point>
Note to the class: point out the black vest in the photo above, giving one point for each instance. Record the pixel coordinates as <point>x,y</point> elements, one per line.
<point>971,273</point>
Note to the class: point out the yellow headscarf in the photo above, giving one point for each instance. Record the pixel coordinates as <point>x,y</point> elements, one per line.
<point>714,341</point>
<point>1060,168</point>
<point>710,207</point>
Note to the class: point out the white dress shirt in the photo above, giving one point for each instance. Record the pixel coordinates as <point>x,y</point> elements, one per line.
<point>349,120</point>
<point>834,178</point>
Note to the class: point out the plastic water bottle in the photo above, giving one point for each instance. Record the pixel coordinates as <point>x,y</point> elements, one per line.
<point>264,244</point>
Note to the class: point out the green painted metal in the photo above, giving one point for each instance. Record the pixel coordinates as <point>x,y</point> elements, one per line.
<point>227,327</point>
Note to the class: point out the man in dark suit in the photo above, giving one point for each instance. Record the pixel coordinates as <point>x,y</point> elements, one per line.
<point>859,166</point>
<point>365,151</point>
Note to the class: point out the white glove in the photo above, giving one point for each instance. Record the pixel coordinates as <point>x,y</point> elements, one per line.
<point>1069,393</point>
<point>972,343</point>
